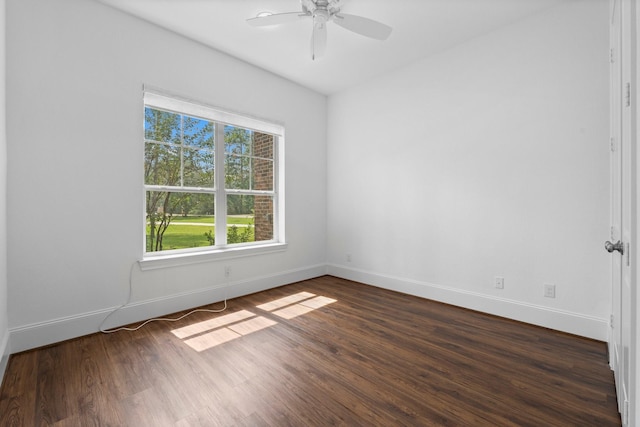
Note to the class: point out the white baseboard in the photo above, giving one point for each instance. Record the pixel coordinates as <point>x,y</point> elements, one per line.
<point>44,333</point>
<point>56,330</point>
<point>5,351</point>
<point>565,321</point>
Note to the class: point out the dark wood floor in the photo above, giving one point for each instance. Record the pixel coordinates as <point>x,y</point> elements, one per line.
<point>371,358</point>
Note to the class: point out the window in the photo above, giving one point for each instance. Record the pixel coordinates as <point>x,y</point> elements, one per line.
<point>211,179</point>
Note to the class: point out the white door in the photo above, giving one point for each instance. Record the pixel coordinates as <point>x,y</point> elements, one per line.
<point>615,178</point>
<point>622,200</point>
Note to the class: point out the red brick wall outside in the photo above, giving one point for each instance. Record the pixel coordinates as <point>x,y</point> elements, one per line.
<point>263,180</point>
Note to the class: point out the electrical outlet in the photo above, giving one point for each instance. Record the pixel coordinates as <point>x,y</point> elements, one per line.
<point>499,282</point>
<point>227,271</point>
<point>550,290</point>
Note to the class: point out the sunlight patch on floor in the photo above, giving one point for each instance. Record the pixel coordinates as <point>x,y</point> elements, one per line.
<point>293,311</point>
<point>318,302</point>
<point>282,302</point>
<point>211,339</point>
<point>305,304</point>
<point>252,325</point>
<point>219,330</point>
<point>231,332</point>
<point>207,325</point>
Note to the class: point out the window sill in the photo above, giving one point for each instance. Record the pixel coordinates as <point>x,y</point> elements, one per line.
<point>177,260</point>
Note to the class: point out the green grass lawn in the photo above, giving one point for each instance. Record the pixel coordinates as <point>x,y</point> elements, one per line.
<point>184,236</point>
<point>180,236</point>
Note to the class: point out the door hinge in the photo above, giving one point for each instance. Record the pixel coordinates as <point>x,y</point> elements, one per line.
<point>612,144</point>
<point>611,321</point>
<point>627,95</point>
<point>612,57</point>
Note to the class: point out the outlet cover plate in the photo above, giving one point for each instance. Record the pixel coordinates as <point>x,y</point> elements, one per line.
<point>550,290</point>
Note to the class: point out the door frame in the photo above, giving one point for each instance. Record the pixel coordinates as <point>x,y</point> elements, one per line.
<point>624,356</point>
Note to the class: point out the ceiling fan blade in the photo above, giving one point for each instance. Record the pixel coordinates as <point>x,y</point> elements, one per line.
<point>364,26</point>
<point>318,40</point>
<point>276,18</point>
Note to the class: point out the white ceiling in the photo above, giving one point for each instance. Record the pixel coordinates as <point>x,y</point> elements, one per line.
<point>420,28</point>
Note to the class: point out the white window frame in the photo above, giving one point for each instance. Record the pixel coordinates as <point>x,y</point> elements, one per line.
<point>177,257</point>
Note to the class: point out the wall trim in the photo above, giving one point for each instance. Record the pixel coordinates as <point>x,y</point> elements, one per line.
<point>5,352</point>
<point>561,320</point>
<point>56,330</point>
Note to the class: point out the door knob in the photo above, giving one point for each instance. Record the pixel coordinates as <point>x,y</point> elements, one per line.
<point>617,246</point>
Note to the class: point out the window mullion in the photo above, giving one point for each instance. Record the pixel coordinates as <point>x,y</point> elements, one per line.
<point>274,186</point>
<point>175,189</point>
<point>251,192</point>
<point>221,197</point>
<point>181,150</point>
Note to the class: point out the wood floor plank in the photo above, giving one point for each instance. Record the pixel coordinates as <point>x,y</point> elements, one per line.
<point>51,400</point>
<point>19,390</point>
<point>321,352</point>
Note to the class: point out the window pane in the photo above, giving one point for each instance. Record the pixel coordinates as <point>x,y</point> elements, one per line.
<point>263,218</point>
<point>262,145</point>
<point>198,168</point>
<point>262,174</point>
<point>237,140</point>
<point>249,218</point>
<point>237,148</point>
<point>179,220</point>
<point>248,159</point>
<point>161,126</point>
<point>240,219</point>
<point>237,172</point>
<point>198,132</point>
<point>161,164</point>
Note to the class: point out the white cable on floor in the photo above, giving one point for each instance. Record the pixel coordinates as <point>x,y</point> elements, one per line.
<point>159,319</point>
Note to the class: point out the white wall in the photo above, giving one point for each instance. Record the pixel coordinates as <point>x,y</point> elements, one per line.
<point>490,159</point>
<point>75,70</point>
<point>4,325</point>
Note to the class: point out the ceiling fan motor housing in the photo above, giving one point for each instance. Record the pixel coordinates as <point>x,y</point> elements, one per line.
<point>321,12</point>
<point>321,16</point>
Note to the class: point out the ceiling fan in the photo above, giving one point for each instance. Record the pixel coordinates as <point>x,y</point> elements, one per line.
<point>323,11</point>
